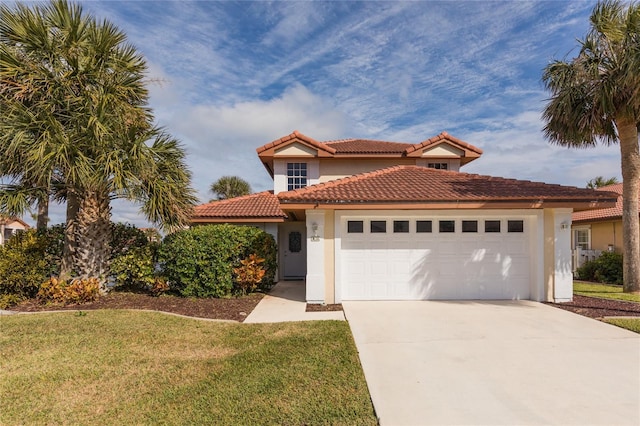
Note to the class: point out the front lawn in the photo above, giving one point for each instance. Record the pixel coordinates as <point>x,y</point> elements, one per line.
<point>127,367</point>
<point>632,324</point>
<point>604,291</point>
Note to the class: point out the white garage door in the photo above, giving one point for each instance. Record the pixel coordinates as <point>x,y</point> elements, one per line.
<point>400,258</point>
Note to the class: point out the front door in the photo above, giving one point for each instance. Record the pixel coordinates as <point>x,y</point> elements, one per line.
<point>294,250</point>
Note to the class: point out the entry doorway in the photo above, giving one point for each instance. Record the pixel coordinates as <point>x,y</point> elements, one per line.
<point>293,250</point>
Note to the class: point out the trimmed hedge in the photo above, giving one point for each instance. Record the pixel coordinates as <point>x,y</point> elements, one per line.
<point>199,262</point>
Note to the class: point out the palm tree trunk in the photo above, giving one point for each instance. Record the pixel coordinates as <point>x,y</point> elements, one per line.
<point>43,213</point>
<point>630,157</point>
<point>70,240</point>
<point>93,237</point>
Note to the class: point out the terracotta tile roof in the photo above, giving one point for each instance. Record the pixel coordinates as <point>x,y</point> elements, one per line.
<point>260,206</point>
<point>367,146</point>
<point>6,220</point>
<point>293,136</point>
<point>443,137</point>
<point>606,213</point>
<point>413,184</point>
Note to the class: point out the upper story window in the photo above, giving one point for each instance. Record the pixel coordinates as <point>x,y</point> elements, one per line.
<point>438,166</point>
<point>296,175</point>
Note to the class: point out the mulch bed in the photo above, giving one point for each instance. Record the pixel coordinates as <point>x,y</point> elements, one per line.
<point>318,307</point>
<point>593,307</point>
<point>235,309</point>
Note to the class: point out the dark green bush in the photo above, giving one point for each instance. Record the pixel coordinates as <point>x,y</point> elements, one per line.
<point>23,266</point>
<point>199,262</point>
<point>607,268</point>
<point>124,237</point>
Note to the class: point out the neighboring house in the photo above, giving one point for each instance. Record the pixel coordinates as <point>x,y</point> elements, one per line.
<point>595,231</point>
<point>371,220</point>
<point>9,226</point>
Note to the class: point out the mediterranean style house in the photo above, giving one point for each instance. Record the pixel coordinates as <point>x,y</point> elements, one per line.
<point>361,219</point>
<point>9,226</point>
<point>595,231</point>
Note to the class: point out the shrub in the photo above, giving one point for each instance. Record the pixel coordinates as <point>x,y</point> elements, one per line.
<point>125,237</point>
<point>607,268</point>
<point>78,291</point>
<point>22,265</point>
<point>135,269</point>
<point>249,274</point>
<point>199,262</point>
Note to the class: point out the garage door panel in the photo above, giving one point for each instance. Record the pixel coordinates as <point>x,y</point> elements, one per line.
<point>410,266</point>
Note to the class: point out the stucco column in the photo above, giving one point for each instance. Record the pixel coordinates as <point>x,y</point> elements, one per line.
<point>315,256</point>
<point>558,276</point>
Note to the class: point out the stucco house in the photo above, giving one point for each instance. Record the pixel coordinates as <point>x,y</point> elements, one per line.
<point>599,229</point>
<point>374,220</point>
<point>9,226</point>
<point>594,231</point>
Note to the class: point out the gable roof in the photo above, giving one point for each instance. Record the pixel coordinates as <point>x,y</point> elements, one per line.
<point>603,214</point>
<point>366,148</point>
<point>7,220</point>
<point>430,188</point>
<point>470,152</point>
<point>259,207</point>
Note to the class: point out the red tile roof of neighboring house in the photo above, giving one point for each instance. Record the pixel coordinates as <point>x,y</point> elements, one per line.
<point>6,220</point>
<point>261,207</point>
<point>413,184</point>
<point>606,213</point>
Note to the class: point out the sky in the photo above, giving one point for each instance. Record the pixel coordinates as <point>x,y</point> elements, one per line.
<point>228,77</point>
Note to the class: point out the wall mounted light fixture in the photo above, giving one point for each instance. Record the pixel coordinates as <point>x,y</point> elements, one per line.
<point>564,225</point>
<point>314,235</point>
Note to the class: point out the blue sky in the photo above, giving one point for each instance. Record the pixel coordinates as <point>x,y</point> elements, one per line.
<point>228,77</point>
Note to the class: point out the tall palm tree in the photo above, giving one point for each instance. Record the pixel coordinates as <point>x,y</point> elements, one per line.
<point>595,97</point>
<point>600,181</point>
<point>78,123</point>
<point>230,187</point>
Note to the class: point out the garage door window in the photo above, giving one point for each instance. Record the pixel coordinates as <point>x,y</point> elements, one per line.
<point>378,226</point>
<point>469,226</point>
<point>491,226</point>
<point>423,226</point>
<point>515,226</point>
<point>447,226</point>
<point>400,226</point>
<point>355,227</point>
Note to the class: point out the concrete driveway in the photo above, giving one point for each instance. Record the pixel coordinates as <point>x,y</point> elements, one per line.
<point>495,363</point>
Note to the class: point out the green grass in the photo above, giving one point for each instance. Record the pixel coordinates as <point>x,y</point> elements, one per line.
<point>632,324</point>
<point>127,367</point>
<point>605,291</point>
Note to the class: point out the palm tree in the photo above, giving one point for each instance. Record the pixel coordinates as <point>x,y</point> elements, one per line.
<point>595,97</point>
<point>76,125</point>
<point>230,187</point>
<point>600,181</point>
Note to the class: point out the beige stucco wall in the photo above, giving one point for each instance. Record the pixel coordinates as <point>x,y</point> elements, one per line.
<point>443,150</point>
<point>605,233</point>
<point>333,168</point>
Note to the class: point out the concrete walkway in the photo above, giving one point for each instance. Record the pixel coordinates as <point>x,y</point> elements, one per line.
<point>495,363</point>
<point>286,302</point>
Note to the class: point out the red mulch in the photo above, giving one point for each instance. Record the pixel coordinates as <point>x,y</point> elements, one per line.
<point>593,307</point>
<point>235,308</point>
